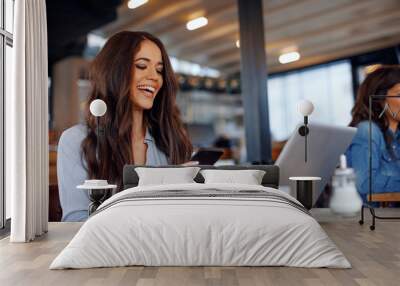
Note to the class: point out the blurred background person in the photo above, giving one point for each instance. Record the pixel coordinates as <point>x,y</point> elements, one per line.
<point>385,80</point>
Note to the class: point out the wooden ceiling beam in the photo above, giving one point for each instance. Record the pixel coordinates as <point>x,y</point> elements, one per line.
<point>207,34</point>
<point>330,53</point>
<point>231,29</point>
<point>178,44</point>
<point>129,20</point>
<point>339,33</point>
<point>276,36</point>
<point>373,13</point>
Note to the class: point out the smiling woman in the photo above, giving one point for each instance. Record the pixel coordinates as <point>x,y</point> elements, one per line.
<point>133,75</point>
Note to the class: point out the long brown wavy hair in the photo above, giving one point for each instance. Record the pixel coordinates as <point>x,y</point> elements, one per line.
<point>111,75</point>
<point>377,82</point>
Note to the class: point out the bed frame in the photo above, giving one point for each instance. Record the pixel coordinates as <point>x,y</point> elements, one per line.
<point>270,179</point>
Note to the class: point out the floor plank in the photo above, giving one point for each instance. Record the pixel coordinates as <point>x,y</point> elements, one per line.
<point>374,255</point>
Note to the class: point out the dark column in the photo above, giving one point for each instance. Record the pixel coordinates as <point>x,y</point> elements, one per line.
<point>355,78</point>
<point>254,81</point>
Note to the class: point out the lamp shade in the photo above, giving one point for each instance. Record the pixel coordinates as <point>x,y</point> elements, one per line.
<point>98,107</point>
<point>305,107</point>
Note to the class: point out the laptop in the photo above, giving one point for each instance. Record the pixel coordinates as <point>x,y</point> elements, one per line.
<point>325,145</point>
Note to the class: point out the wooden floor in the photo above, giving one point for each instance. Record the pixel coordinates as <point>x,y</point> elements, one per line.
<point>374,255</point>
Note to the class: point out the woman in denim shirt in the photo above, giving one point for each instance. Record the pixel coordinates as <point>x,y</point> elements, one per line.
<point>142,126</point>
<point>385,133</point>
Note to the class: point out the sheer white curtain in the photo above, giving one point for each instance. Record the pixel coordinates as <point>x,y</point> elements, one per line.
<point>27,124</point>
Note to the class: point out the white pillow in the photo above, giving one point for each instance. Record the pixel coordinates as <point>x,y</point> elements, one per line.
<point>163,176</point>
<point>248,177</point>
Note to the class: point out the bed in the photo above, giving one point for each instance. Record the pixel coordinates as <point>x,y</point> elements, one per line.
<point>198,224</point>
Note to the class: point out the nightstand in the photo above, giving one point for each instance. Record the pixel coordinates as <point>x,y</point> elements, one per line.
<point>97,195</point>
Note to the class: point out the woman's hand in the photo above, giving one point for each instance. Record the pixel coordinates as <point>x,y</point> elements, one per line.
<point>190,163</point>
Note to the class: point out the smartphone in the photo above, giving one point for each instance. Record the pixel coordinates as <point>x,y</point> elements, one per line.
<point>207,156</point>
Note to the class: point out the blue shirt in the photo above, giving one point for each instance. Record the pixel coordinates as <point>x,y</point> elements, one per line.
<point>385,163</point>
<point>71,171</point>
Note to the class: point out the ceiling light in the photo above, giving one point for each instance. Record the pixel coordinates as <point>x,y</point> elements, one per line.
<point>132,4</point>
<point>289,57</point>
<point>237,44</point>
<point>196,23</point>
<point>371,68</point>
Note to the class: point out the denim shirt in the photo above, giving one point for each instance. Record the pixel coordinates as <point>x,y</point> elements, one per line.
<point>385,163</point>
<point>71,171</point>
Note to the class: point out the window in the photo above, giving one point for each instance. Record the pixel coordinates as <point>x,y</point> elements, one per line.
<point>328,86</point>
<point>6,43</point>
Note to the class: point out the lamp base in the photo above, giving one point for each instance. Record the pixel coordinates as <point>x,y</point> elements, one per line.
<point>304,193</point>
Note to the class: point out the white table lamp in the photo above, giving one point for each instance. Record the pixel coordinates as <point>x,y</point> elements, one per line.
<point>305,107</point>
<point>97,188</point>
<point>98,108</point>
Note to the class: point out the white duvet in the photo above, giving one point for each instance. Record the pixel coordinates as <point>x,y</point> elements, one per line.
<point>200,231</point>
